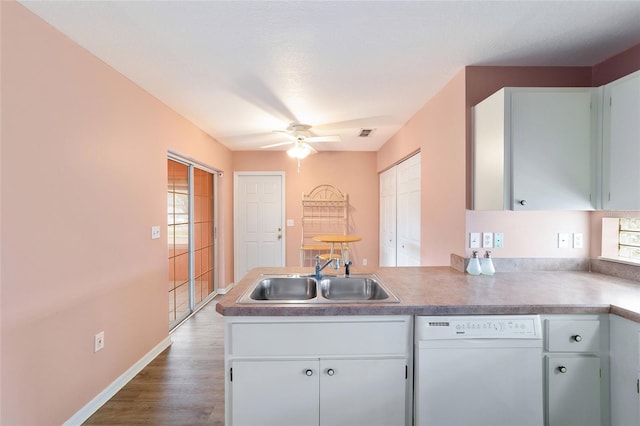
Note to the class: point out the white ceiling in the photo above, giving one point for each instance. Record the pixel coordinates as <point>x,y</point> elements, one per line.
<point>240,69</point>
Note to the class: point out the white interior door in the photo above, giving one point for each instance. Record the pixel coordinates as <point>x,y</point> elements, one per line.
<point>258,221</point>
<point>388,218</point>
<point>400,214</point>
<point>408,212</point>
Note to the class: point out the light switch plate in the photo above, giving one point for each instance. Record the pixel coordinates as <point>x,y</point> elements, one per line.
<point>289,222</point>
<point>487,239</point>
<point>578,240</point>
<point>474,240</point>
<point>563,240</point>
<point>498,240</point>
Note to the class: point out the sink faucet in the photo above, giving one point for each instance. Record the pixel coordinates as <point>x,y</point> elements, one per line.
<point>319,267</point>
<point>346,268</point>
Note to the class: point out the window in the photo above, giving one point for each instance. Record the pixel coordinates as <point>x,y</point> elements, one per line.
<point>190,237</point>
<point>629,238</point>
<point>621,239</point>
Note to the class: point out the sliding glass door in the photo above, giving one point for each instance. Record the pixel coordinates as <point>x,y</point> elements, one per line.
<point>191,195</point>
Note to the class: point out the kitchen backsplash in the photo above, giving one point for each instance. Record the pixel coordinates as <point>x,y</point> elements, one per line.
<point>615,269</point>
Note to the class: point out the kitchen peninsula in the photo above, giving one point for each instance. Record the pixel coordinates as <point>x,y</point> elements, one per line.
<point>445,291</point>
<point>358,363</point>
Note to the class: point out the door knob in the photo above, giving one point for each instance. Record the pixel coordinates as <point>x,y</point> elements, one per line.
<point>308,372</point>
<point>279,233</point>
<point>577,338</point>
<point>330,372</point>
<point>562,369</point>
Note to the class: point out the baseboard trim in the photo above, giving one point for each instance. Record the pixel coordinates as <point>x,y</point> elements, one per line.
<point>92,406</point>
<point>226,290</point>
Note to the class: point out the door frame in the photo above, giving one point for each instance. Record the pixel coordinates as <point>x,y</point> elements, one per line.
<point>236,231</point>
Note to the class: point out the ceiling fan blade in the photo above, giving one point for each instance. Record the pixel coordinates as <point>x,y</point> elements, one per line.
<point>332,138</point>
<point>277,144</point>
<point>254,90</point>
<point>286,134</point>
<point>366,122</point>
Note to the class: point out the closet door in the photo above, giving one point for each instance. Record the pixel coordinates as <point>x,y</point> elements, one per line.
<point>400,214</point>
<point>388,218</point>
<point>408,212</point>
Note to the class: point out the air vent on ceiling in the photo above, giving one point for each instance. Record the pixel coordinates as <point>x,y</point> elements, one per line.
<point>365,133</point>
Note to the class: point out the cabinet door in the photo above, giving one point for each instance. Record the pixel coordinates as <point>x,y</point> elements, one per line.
<point>552,148</point>
<point>274,392</point>
<point>621,150</point>
<point>573,391</point>
<point>624,360</point>
<point>363,392</point>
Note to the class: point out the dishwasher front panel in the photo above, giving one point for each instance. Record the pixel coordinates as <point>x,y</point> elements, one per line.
<point>464,381</point>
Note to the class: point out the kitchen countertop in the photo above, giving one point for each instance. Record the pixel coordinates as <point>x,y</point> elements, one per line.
<point>446,291</point>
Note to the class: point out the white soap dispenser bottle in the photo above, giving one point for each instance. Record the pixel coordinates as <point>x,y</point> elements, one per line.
<point>486,264</point>
<point>473,268</point>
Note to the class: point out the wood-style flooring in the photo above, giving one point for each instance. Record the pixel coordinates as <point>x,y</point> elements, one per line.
<point>184,385</point>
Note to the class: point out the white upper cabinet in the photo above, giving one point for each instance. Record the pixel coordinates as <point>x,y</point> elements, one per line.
<point>534,149</point>
<point>621,144</point>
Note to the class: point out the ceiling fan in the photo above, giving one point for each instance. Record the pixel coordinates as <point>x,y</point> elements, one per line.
<point>301,135</point>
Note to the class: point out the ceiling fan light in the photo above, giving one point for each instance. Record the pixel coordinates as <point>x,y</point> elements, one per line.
<point>299,151</point>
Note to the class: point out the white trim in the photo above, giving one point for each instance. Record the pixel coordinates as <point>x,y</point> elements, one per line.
<point>227,289</point>
<point>92,406</point>
<point>620,260</point>
<point>236,231</point>
<point>185,159</point>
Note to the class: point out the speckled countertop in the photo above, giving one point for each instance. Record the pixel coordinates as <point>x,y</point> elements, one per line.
<point>445,291</point>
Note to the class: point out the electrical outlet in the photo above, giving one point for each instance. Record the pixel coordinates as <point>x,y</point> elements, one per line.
<point>364,262</point>
<point>290,222</point>
<point>474,240</point>
<point>563,240</point>
<point>578,240</point>
<point>498,240</point>
<point>98,341</point>
<point>487,239</point>
<point>155,232</point>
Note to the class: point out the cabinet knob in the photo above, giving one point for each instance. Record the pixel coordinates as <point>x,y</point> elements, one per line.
<point>577,338</point>
<point>522,202</point>
<point>562,369</point>
<point>330,372</point>
<point>308,372</point>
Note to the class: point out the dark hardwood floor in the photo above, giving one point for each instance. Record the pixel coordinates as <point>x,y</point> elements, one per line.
<point>184,385</point>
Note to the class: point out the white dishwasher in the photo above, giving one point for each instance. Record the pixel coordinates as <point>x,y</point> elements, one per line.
<point>478,370</point>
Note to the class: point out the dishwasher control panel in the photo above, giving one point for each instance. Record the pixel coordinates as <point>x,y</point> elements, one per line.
<point>478,327</point>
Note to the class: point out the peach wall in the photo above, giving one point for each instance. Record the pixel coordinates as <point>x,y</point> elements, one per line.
<point>437,130</point>
<point>353,173</point>
<point>83,180</point>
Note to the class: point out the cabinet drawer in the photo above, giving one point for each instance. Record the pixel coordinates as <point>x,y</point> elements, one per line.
<point>573,335</point>
<point>313,337</point>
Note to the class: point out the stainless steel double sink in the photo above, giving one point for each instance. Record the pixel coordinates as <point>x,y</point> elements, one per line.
<point>307,289</point>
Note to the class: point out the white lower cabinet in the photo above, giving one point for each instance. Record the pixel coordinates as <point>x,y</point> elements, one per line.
<point>363,392</point>
<point>625,372</point>
<point>319,371</point>
<point>325,392</point>
<point>573,390</point>
<point>576,365</point>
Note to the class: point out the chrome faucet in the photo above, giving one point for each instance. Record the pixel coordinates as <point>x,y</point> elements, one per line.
<point>319,267</point>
